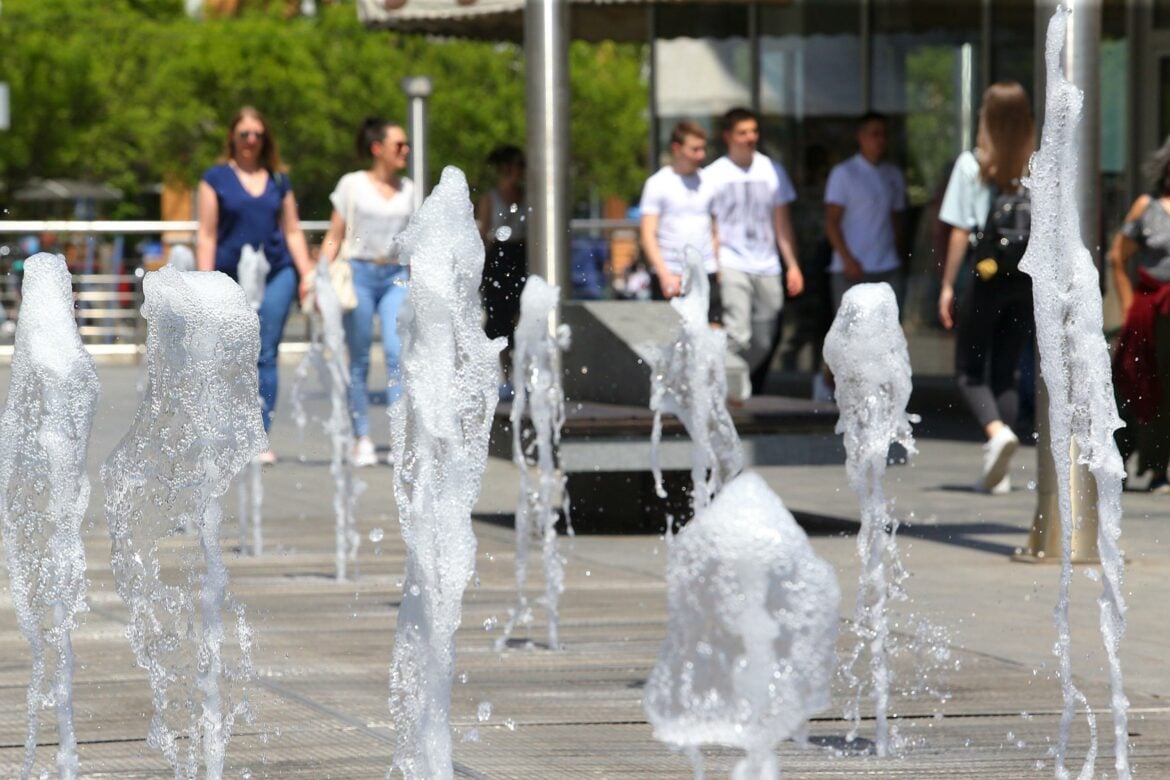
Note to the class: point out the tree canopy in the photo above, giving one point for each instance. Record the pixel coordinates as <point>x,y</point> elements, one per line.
<point>133,92</point>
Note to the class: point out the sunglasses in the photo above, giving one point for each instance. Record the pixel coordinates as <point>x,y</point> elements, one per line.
<point>248,135</point>
<point>400,145</point>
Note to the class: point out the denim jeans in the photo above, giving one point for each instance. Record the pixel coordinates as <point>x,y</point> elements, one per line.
<point>278,297</point>
<point>381,290</point>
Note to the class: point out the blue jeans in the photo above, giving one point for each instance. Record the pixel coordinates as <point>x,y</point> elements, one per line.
<point>381,290</point>
<point>278,297</point>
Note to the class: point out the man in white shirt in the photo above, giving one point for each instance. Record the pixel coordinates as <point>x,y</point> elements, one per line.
<point>676,213</point>
<point>751,194</point>
<point>864,200</point>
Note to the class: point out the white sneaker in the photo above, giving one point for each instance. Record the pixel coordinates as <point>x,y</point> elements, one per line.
<point>363,453</point>
<point>1002,488</point>
<point>997,456</point>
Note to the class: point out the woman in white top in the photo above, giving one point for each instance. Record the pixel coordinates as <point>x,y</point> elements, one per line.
<point>994,318</point>
<point>370,208</point>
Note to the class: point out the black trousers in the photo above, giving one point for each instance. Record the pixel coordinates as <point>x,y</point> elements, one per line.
<point>505,270</point>
<point>994,322</point>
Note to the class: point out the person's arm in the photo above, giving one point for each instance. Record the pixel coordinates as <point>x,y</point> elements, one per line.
<point>834,213</point>
<point>715,246</point>
<point>956,250</point>
<point>205,236</point>
<point>786,243</point>
<point>294,239</point>
<point>648,232</point>
<point>331,243</point>
<point>1119,254</point>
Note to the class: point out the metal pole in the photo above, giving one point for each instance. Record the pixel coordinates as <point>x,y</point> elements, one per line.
<point>418,89</point>
<point>1081,67</point>
<point>546,47</point>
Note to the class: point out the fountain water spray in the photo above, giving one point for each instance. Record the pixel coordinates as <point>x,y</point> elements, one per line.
<point>44,492</point>
<point>253,275</point>
<point>751,634</point>
<point>1074,363</point>
<point>198,425</point>
<point>690,382</point>
<point>339,426</point>
<point>536,368</point>
<point>866,350</point>
<point>439,430</point>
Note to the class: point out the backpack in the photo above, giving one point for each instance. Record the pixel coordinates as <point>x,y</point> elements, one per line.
<point>1000,244</point>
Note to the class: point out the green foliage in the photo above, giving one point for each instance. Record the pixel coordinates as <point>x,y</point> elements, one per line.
<point>134,93</point>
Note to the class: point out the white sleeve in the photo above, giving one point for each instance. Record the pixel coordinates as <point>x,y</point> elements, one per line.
<point>785,192</point>
<point>651,202</point>
<point>899,183</point>
<point>340,195</point>
<point>958,204</point>
<point>836,189</point>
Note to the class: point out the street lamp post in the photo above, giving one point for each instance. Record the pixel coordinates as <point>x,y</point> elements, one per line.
<point>546,45</point>
<point>418,89</point>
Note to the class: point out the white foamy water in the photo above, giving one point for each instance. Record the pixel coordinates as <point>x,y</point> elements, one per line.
<point>250,508</point>
<point>252,272</point>
<point>1074,363</point>
<point>866,350</point>
<point>339,426</point>
<point>536,371</point>
<point>751,634</point>
<point>690,382</point>
<point>44,492</point>
<point>439,431</point>
<point>197,426</point>
<point>253,276</point>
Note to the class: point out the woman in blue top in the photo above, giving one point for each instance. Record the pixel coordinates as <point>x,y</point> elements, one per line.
<point>247,200</point>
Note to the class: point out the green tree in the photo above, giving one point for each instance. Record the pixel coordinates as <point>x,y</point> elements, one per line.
<point>133,92</point>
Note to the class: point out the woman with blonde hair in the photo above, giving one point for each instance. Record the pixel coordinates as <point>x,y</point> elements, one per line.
<point>246,200</point>
<point>989,214</point>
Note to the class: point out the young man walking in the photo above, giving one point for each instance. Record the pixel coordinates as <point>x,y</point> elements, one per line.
<point>864,200</point>
<point>757,248</point>
<point>676,213</point>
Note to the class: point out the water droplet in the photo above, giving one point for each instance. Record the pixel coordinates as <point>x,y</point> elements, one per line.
<point>376,535</point>
<point>503,233</point>
<point>510,724</point>
<point>483,713</point>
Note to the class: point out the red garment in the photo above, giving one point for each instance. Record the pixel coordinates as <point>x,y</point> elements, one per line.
<point>1135,364</point>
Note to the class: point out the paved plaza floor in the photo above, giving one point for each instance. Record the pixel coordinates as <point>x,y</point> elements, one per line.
<point>322,647</point>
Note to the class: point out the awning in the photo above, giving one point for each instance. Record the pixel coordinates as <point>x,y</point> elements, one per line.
<point>503,20</point>
<point>65,189</point>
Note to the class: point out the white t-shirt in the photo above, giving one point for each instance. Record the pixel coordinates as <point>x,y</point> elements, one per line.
<point>968,198</point>
<point>869,194</point>
<point>683,207</point>
<point>743,200</point>
<point>376,219</point>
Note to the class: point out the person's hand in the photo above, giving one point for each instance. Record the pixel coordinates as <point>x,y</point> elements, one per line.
<point>671,284</point>
<point>946,307</point>
<point>853,269</point>
<point>305,289</point>
<point>794,280</point>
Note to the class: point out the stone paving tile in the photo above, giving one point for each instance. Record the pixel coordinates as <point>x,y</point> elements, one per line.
<point>323,647</point>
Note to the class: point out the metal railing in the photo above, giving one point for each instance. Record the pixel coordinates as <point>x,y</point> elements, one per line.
<point>108,299</point>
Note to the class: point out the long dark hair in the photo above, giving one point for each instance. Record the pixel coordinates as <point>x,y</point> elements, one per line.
<point>269,152</point>
<point>372,130</point>
<point>1155,169</point>
<point>1007,134</point>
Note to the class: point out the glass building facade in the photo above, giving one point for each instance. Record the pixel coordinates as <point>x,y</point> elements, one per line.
<point>809,68</point>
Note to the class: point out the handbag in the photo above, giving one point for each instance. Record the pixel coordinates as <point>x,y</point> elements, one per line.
<point>340,270</point>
